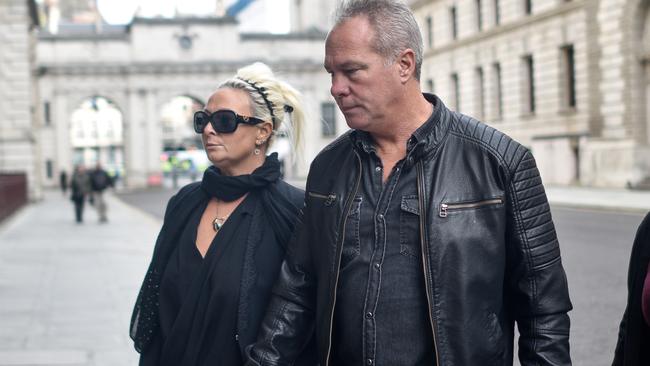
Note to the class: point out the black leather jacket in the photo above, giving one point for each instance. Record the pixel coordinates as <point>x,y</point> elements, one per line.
<point>489,248</point>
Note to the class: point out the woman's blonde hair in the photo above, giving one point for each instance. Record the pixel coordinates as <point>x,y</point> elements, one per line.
<point>271,99</point>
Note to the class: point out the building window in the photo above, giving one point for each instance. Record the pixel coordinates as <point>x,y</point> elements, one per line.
<point>568,77</point>
<point>429,23</point>
<point>48,169</point>
<point>455,92</point>
<point>328,119</point>
<point>47,117</point>
<point>497,95</point>
<point>430,86</point>
<point>528,7</point>
<point>497,12</point>
<point>480,92</point>
<point>479,15</point>
<point>528,84</point>
<point>453,21</point>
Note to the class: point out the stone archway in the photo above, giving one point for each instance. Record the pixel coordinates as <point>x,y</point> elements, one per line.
<point>176,122</point>
<point>183,159</point>
<point>96,132</point>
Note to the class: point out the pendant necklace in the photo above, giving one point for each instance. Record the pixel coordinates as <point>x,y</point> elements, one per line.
<point>218,222</point>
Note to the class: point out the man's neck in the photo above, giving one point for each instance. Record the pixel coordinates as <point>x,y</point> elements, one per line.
<point>411,115</point>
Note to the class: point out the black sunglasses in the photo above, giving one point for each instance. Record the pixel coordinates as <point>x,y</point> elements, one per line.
<point>222,121</point>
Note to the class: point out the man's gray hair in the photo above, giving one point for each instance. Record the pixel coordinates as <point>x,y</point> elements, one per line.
<point>394,25</point>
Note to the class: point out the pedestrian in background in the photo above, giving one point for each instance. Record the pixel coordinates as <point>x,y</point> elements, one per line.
<point>80,190</point>
<point>63,181</point>
<point>100,180</point>
<point>633,346</point>
<point>223,238</point>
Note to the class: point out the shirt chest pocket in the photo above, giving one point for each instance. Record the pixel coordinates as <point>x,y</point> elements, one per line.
<point>409,226</point>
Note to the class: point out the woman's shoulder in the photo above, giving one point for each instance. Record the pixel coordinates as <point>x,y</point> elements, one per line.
<point>181,196</point>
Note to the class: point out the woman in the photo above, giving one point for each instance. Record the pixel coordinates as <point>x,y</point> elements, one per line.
<point>222,241</point>
<point>633,347</point>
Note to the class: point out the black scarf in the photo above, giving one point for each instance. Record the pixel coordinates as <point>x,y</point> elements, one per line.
<point>280,211</point>
<point>230,188</point>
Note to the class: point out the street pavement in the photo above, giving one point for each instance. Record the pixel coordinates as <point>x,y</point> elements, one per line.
<point>67,290</point>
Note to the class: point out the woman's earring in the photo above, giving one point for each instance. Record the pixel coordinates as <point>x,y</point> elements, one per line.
<point>257,147</point>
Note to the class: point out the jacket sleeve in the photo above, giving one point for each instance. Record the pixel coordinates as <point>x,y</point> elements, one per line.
<point>620,343</point>
<point>289,321</point>
<point>539,296</point>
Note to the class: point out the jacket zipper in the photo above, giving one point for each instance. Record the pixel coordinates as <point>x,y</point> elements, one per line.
<point>346,212</point>
<point>423,244</point>
<point>329,198</point>
<point>446,207</point>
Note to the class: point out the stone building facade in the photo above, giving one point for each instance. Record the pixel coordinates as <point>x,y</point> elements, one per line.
<point>567,78</point>
<point>141,67</point>
<point>19,144</point>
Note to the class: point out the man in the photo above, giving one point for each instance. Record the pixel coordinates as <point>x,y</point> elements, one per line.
<point>80,188</point>
<point>426,235</point>
<point>100,180</point>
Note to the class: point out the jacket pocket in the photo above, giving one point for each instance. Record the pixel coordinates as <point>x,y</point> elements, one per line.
<point>449,208</point>
<point>409,226</point>
<point>351,245</point>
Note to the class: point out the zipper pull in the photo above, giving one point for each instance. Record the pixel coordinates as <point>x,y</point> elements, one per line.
<point>443,210</point>
<point>330,199</point>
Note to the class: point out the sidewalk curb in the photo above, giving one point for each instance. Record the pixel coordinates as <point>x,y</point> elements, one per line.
<point>598,207</point>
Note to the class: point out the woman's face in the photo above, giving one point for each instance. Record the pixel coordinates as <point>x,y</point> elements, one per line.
<point>233,153</point>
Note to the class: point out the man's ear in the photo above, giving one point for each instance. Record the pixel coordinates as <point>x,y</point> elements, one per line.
<point>406,64</point>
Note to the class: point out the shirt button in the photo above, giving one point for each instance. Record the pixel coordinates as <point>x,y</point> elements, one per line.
<point>369,315</point>
<point>369,361</point>
<point>377,266</point>
<point>378,169</point>
<point>380,217</point>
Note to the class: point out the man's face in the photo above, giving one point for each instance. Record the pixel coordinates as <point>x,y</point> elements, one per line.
<point>363,85</point>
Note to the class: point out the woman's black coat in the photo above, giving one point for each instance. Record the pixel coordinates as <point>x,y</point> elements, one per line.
<point>266,259</point>
<point>633,347</point>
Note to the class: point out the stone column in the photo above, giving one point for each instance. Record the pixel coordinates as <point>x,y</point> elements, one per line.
<point>154,134</point>
<point>61,121</point>
<point>135,141</point>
